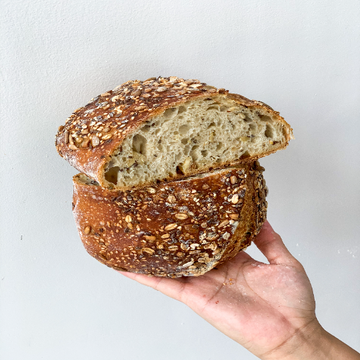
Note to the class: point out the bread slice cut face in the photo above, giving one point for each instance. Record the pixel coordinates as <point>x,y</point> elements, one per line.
<point>193,137</point>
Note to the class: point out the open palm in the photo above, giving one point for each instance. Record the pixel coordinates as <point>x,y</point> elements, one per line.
<point>264,307</point>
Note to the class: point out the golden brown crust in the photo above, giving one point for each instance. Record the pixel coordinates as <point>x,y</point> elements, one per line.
<point>94,132</point>
<point>180,228</point>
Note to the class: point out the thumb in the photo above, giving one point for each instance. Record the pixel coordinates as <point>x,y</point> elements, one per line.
<point>272,246</point>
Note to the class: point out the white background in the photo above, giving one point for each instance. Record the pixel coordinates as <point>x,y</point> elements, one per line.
<point>301,57</point>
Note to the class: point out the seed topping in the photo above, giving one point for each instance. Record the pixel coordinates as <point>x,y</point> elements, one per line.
<point>235,199</point>
<point>181,216</point>
<point>95,141</point>
<point>170,227</point>
<point>150,237</point>
<point>101,119</point>
<point>171,199</point>
<point>149,251</point>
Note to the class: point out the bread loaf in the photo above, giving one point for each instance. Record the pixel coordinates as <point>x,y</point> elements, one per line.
<point>167,128</point>
<point>183,227</point>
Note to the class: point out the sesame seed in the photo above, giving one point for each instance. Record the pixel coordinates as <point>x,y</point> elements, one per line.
<point>128,218</point>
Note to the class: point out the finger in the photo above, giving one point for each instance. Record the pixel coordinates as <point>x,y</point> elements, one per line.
<point>272,246</point>
<point>169,287</point>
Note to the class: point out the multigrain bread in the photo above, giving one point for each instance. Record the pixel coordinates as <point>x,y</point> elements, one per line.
<point>170,185</point>
<point>167,128</point>
<point>183,227</point>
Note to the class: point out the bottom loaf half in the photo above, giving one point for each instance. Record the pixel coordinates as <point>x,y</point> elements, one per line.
<point>177,228</point>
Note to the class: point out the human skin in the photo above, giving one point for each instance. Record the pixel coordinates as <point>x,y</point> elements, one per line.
<point>267,308</point>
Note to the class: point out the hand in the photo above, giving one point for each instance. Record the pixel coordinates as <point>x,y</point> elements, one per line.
<point>267,308</point>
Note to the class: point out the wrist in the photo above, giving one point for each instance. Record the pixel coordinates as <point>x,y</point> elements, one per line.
<point>313,343</point>
<point>308,343</point>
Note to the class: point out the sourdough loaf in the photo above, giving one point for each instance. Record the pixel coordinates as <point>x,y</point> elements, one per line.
<point>167,128</point>
<point>183,227</point>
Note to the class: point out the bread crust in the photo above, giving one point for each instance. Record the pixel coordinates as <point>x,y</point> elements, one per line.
<point>180,228</point>
<point>94,132</point>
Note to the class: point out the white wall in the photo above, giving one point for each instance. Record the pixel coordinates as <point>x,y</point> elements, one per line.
<point>301,57</point>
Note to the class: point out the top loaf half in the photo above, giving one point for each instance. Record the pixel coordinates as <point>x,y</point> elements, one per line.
<point>167,128</point>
